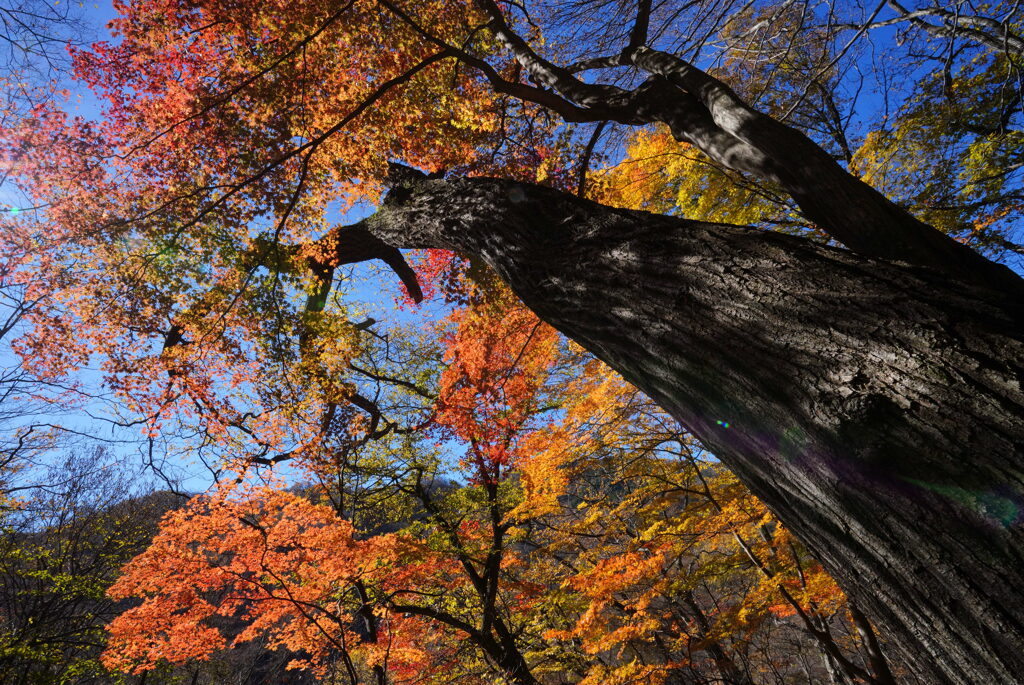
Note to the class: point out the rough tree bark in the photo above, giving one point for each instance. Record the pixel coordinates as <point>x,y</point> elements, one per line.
<point>871,397</point>
<point>706,113</point>
<point>876,407</point>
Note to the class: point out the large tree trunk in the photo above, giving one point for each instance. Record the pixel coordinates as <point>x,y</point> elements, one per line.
<point>876,408</point>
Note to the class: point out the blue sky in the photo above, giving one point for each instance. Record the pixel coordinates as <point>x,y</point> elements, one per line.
<point>96,416</point>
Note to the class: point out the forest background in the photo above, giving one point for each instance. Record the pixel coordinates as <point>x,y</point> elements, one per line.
<point>409,477</point>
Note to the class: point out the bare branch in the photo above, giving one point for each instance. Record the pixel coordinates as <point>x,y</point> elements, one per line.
<point>567,110</point>
<point>547,74</point>
<point>993,33</point>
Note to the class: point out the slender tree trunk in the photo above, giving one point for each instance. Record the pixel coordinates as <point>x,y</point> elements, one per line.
<point>879,664</point>
<point>875,407</point>
<point>369,631</point>
<point>506,657</point>
<point>727,668</point>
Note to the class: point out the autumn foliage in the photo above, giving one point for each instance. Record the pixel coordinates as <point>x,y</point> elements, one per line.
<point>439,492</point>
<point>568,526</point>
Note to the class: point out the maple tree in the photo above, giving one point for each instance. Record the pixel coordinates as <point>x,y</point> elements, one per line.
<point>188,247</point>
<point>63,543</point>
<point>386,607</point>
<point>520,571</point>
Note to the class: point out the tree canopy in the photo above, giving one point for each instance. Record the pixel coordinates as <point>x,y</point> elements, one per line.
<point>792,226</point>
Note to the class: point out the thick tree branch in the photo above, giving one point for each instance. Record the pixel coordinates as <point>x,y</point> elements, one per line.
<point>846,208</point>
<point>439,616</point>
<point>548,75</point>
<point>597,63</point>
<point>691,121</point>
<point>354,244</point>
<point>707,113</point>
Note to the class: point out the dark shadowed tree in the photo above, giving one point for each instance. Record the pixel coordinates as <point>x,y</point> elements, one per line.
<point>872,404</point>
